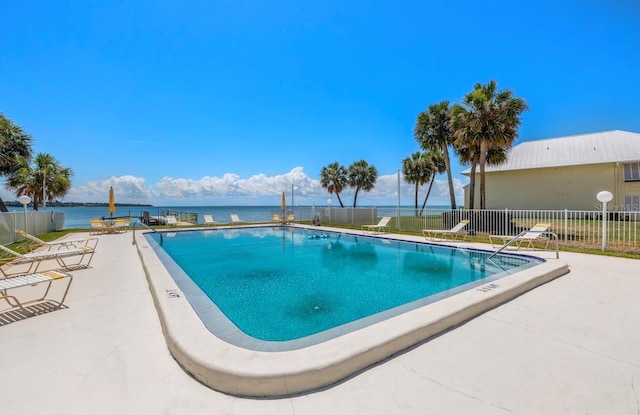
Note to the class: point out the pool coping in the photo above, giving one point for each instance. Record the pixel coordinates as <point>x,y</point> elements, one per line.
<point>243,372</point>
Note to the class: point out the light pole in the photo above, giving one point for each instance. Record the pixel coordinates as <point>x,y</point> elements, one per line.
<point>604,197</point>
<point>329,201</point>
<point>44,190</point>
<point>25,200</point>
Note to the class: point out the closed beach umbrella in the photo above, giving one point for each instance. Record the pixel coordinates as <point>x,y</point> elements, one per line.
<point>112,201</point>
<point>283,204</point>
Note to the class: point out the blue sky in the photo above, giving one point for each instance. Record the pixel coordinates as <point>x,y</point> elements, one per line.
<point>233,102</point>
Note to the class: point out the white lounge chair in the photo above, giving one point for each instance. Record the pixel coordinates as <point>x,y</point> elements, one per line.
<point>235,219</point>
<point>538,233</point>
<point>381,226</point>
<point>59,243</point>
<point>208,219</point>
<point>33,279</point>
<point>33,260</point>
<point>444,234</point>
<point>171,220</point>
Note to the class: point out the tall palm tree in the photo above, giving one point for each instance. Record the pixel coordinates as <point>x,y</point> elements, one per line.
<point>417,169</point>
<point>44,178</point>
<point>433,132</point>
<point>470,153</point>
<point>361,176</point>
<point>439,166</point>
<point>491,118</point>
<point>14,143</point>
<point>334,178</point>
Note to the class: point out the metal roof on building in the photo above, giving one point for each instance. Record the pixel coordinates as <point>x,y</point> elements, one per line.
<point>596,148</point>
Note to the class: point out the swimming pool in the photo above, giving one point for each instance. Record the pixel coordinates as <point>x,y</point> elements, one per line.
<point>215,358</point>
<point>283,288</point>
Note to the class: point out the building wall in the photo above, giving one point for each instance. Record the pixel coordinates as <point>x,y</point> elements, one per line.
<point>629,189</point>
<point>573,187</point>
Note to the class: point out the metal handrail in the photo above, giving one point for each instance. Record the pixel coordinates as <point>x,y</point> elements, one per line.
<point>148,227</point>
<point>555,236</point>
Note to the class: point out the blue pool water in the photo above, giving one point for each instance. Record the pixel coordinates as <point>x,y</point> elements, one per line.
<point>283,283</point>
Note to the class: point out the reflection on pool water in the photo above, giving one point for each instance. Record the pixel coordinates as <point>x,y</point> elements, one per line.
<point>281,284</point>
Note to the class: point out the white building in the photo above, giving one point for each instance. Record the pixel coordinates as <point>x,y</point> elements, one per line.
<point>565,173</point>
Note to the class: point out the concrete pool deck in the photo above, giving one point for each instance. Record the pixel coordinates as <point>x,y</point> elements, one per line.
<point>571,345</point>
<point>229,367</point>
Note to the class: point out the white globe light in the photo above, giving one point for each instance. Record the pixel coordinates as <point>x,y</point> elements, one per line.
<point>604,196</point>
<point>24,199</point>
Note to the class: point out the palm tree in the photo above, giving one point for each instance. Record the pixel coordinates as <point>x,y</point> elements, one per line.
<point>45,178</point>
<point>433,132</point>
<point>418,170</point>
<point>469,152</point>
<point>489,117</point>
<point>361,176</point>
<point>334,178</point>
<point>14,143</point>
<point>439,166</point>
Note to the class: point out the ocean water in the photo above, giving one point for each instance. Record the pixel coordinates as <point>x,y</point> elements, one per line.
<point>79,217</point>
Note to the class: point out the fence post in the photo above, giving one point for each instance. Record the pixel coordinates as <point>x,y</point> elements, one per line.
<point>566,224</point>
<point>506,222</point>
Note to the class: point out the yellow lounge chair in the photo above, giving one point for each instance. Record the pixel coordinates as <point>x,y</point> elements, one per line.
<point>444,234</point>
<point>121,223</point>
<point>58,244</point>
<point>97,227</point>
<point>381,226</point>
<point>33,279</point>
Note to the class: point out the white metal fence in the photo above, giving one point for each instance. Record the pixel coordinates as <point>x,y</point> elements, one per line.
<point>574,228</point>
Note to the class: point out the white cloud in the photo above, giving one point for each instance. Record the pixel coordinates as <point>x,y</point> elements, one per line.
<point>231,189</point>
<point>128,189</point>
<point>230,185</point>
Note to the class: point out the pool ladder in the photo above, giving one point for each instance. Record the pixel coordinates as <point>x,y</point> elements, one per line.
<point>512,240</point>
<point>138,222</point>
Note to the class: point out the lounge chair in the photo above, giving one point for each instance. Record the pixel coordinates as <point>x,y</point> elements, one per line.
<point>290,218</point>
<point>538,233</point>
<point>444,234</point>
<point>34,259</point>
<point>121,224</point>
<point>97,227</point>
<point>276,218</point>
<point>208,219</point>
<point>60,243</point>
<point>381,226</point>
<point>20,281</point>
<point>171,220</point>
<point>235,219</point>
